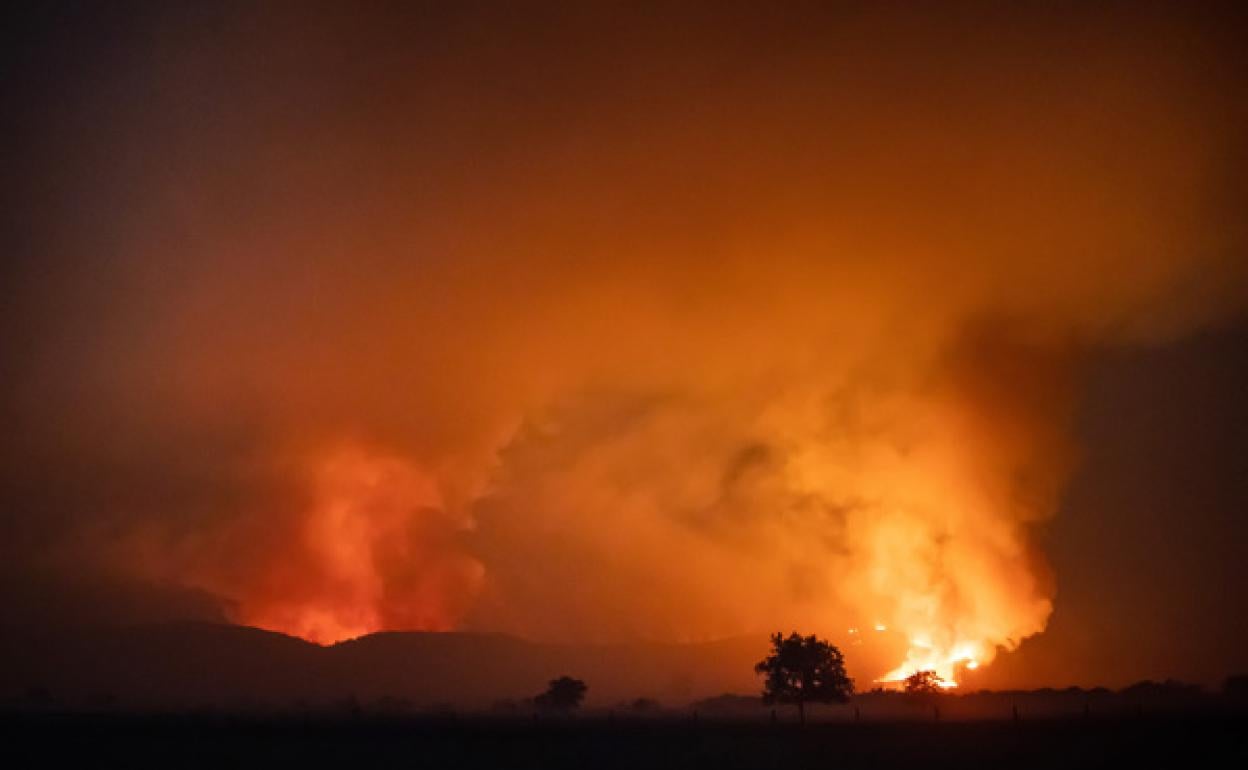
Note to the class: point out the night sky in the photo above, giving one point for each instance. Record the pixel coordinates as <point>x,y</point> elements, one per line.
<point>615,322</point>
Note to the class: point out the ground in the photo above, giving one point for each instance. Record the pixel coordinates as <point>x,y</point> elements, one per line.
<point>216,741</point>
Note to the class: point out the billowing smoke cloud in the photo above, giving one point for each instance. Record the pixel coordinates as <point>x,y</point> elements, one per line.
<point>612,326</point>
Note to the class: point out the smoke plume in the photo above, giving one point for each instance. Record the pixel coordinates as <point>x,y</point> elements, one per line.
<point>605,326</point>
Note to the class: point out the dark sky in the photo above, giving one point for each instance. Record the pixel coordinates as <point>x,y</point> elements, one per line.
<point>634,322</point>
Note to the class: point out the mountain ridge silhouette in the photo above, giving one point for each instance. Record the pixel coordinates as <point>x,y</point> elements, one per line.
<point>179,664</point>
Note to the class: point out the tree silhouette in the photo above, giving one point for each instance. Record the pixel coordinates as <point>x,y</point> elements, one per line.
<point>563,694</point>
<point>803,670</point>
<point>923,683</point>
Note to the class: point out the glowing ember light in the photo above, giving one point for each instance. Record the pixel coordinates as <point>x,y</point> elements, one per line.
<point>923,656</point>
<point>881,627</point>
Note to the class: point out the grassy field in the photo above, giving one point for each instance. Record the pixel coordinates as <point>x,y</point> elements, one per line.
<point>215,741</point>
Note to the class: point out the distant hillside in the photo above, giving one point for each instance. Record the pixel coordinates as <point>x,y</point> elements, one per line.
<point>206,664</point>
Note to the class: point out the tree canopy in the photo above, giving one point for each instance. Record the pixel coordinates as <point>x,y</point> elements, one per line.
<point>804,669</point>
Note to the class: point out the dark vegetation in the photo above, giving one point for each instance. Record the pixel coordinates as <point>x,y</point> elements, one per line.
<point>926,682</point>
<point>803,670</point>
<point>220,669</point>
<point>615,742</point>
<point>562,695</point>
<point>1148,723</point>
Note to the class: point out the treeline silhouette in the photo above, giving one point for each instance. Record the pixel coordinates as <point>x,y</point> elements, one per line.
<point>806,715</point>
<point>223,669</point>
<point>565,696</point>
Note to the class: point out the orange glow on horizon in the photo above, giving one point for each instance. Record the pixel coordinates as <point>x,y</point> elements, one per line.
<point>368,513</point>
<point>667,339</point>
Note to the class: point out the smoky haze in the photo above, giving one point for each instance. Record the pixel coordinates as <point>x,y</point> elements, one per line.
<point>597,325</point>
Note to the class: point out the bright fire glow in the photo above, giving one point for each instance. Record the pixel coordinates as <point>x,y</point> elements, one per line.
<point>673,396</point>
<point>946,664</point>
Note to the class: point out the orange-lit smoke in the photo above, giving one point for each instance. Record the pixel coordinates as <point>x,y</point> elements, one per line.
<point>375,549</point>
<point>602,332</point>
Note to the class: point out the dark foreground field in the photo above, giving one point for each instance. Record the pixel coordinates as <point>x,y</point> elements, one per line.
<point>211,741</point>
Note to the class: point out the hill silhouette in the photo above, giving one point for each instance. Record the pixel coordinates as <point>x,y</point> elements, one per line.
<point>195,665</point>
<point>199,664</point>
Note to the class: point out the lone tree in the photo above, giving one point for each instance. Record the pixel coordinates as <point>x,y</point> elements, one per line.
<point>923,683</point>
<point>803,670</point>
<point>563,694</point>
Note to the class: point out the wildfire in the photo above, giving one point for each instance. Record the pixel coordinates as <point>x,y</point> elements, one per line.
<point>375,549</point>
<point>947,663</point>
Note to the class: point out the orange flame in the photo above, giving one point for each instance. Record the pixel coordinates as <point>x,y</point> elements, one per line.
<point>947,663</point>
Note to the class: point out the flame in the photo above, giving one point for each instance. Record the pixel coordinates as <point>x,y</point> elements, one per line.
<point>947,663</point>
<point>708,398</point>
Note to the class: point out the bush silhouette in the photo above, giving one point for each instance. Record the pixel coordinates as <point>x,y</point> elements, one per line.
<point>923,683</point>
<point>563,694</point>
